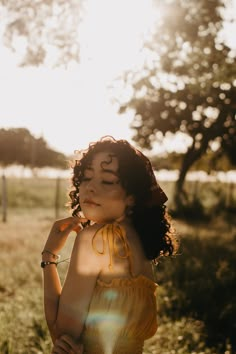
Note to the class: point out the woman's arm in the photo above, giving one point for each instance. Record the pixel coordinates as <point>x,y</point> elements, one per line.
<point>66,307</point>
<point>79,285</point>
<point>51,281</point>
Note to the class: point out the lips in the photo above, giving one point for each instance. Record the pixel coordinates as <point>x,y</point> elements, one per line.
<point>90,202</point>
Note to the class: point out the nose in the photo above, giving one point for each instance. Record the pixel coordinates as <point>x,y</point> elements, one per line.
<point>91,186</point>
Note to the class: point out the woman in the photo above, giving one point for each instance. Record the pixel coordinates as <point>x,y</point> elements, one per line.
<point>107,302</point>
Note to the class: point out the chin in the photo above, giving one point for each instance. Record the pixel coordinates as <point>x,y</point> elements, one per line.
<point>93,218</point>
<point>97,220</point>
<point>100,219</point>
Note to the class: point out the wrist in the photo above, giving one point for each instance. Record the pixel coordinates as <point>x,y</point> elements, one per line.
<point>44,264</point>
<point>48,255</point>
<point>50,258</point>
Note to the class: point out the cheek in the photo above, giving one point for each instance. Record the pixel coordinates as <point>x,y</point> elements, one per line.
<point>116,202</point>
<point>116,195</point>
<point>82,190</point>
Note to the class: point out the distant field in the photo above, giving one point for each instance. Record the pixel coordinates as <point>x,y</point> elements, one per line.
<point>196,296</point>
<point>42,192</point>
<point>36,192</point>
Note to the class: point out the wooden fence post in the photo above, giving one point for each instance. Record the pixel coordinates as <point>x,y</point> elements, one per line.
<point>57,198</point>
<point>4,198</point>
<point>195,190</point>
<point>230,195</point>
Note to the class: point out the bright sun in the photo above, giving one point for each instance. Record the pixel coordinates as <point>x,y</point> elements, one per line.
<point>111,37</point>
<point>113,32</point>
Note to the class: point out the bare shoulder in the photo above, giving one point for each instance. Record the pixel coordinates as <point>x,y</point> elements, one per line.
<point>87,234</point>
<point>84,255</point>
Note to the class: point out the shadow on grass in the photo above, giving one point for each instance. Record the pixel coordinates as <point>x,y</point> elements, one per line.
<point>200,283</point>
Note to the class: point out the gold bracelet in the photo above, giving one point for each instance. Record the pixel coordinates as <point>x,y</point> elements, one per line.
<point>55,256</point>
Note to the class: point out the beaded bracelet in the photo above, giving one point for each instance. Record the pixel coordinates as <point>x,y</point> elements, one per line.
<point>55,256</point>
<point>43,264</point>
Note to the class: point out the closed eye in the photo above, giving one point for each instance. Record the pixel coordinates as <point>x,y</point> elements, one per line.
<point>109,182</point>
<point>87,179</point>
<point>84,179</point>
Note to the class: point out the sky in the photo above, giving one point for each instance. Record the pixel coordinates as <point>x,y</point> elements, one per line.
<point>72,107</point>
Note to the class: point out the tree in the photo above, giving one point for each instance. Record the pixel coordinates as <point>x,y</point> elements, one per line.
<point>188,85</point>
<point>43,28</point>
<point>19,146</point>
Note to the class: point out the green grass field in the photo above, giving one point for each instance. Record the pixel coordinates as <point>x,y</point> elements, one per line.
<point>196,295</point>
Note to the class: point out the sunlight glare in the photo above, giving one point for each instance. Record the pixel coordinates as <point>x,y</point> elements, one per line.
<point>113,32</point>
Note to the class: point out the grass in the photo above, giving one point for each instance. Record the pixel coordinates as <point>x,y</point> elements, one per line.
<point>22,325</point>
<point>196,294</point>
<point>36,192</point>
<point>197,297</point>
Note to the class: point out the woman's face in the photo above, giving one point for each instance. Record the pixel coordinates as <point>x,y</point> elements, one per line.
<point>102,198</point>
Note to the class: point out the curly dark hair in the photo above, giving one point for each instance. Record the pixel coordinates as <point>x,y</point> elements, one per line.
<point>152,223</point>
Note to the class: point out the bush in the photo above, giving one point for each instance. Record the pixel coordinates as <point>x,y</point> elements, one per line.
<point>200,284</point>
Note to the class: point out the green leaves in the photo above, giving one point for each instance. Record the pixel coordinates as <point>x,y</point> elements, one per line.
<point>19,146</point>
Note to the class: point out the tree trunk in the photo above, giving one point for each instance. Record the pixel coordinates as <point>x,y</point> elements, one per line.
<point>192,155</point>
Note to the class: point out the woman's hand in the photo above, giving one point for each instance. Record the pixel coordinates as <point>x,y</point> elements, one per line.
<point>67,345</point>
<point>60,231</point>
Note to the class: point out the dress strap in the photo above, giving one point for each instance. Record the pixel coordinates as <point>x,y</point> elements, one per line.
<point>111,234</point>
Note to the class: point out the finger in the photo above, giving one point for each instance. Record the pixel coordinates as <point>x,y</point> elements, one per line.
<point>64,226</point>
<point>77,347</point>
<point>77,228</point>
<point>57,350</point>
<point>70,223</point>
<point>73,226</point>
<point>61,347</point>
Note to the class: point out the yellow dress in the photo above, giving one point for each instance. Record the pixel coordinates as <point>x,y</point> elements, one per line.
<point>122,313</point>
